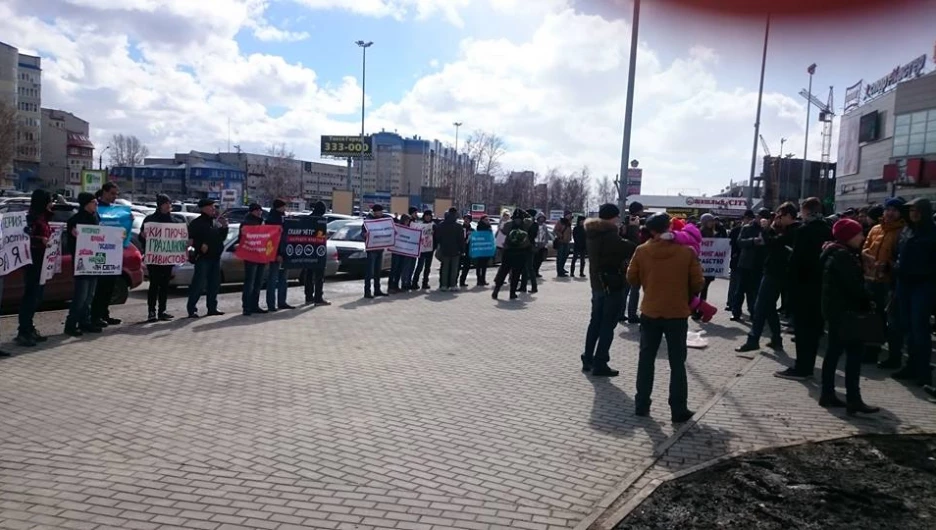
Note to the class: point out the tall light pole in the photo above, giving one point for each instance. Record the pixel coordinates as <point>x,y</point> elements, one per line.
<point>364,46</point>
<point>629,109</point>
<point>811,70</point>
<point>100,160</point>
<point>457,125</point>
<point>760,99</point>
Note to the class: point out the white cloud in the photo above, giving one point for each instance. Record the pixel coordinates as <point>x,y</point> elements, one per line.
<point>171,72</point>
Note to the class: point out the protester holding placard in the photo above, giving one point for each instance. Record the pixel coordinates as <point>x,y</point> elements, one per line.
<point>159,275</point>
<point>277,282</point>
<point>40,234</point>
<point>465,259</point>
<point>253,271</point>
<point>481,248</point>
<point>207,234</point>
<point>424,263</point>
<point>315,274</point>
<point>374,257</point>
<point>401,265</point>
<point>104,289</point>
<point>79,320</point>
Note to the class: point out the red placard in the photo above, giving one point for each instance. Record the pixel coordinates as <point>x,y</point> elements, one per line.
<point>890,173</point>
<point>258,243</point>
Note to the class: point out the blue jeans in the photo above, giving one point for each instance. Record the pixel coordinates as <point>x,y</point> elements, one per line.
<point>32,298</point>
<point>396,271</point>
<point>207,278</point>
<point>277,286</point>
<point>79,312</point>
<point>765,310</point>
<point>406,274</point>
<point>631,302</point>
<point>916,306</point>
<point>652,331</point>
<point>253,282</point>
<point>561,257</point>
<point>605,310</point>
<point>372,271</point>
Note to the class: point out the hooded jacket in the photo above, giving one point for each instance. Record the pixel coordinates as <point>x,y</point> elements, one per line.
<point>880,250</point>
<point>843,286</point>
<point>669,276</point>
<point>916,251</point>
<point>608,252</point>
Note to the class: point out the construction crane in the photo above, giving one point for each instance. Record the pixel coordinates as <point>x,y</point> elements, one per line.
<point>825,117</point>
<point>771,190</point>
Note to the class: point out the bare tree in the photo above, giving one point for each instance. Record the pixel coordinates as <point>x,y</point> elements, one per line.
<point>484,151</point>
<point>282,175</point>
<point>8,140</point>
<point>606,191</point>
<point>576,190</point>
<point>126,151</point>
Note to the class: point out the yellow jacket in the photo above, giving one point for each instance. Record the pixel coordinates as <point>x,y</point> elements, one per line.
<point>669,275</point>
<point>879,252</point>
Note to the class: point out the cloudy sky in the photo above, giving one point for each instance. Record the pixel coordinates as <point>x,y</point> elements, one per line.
<point>549,76</point>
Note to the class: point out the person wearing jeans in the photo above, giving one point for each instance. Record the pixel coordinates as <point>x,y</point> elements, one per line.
<point>207,234</point>
<point>159,275</point>
<point>609,254</point>
<point>277,278</point>
<point>670,275</point>
<point>205,279</point>
<point>40,235</point>
<point>78,320</point>
<point>374,258</point>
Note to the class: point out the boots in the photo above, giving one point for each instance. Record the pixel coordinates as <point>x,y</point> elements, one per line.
<point>496,291</point>
<point>860,407</point>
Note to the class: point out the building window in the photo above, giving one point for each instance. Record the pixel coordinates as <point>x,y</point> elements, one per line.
<point>915,134</point>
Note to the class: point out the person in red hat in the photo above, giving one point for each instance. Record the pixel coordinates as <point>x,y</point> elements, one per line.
<point>843,295</point>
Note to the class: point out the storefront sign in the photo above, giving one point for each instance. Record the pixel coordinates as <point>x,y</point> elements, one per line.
<point>725,203</point>
<point>910,70</point>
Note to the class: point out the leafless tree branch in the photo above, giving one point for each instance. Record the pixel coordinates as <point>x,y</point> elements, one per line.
<point>127,150</point>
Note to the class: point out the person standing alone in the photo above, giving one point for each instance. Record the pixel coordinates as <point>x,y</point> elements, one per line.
<point>579,250</point>
<point>159,275</point>
<point>670,276</point>
<point>563,234</point>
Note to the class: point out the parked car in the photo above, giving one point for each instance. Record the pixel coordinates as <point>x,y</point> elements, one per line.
<point>232,267</point>
<point>349,241</point>
<point>333,226</point>
<point>236,215</point>
<point>61,287</point>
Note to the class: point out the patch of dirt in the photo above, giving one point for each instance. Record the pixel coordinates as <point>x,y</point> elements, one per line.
<point>870,482</point>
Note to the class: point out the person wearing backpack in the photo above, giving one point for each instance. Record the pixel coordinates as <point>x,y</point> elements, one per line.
<point>517,245</point>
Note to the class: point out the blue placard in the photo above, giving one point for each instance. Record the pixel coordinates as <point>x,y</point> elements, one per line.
<point>117,215</point>
<point>481,244</point>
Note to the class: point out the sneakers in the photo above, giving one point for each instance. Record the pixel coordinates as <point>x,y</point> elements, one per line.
<point>112,321</point>
<point>792,375</point>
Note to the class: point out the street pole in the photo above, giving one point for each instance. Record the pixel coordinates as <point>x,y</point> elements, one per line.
<point>457,125</point>
<point>364,46</point>
<point>629,109</point>
<point>780,172</point>
<point>811,70</point>
<point>760,99</point>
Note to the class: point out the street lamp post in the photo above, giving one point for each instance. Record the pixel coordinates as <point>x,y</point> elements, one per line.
<point>100,162</point>
<point>760,99</point>
<point>364,46</point>
<point>629,109</point>
<point>811,70</point>
<point>457,125</point>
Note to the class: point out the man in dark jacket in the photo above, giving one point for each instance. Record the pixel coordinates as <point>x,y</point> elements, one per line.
<point>449,240</point>
<point>778,242</point>
<point>104,288</point>
<point>607,267</point>
<point>805,277</point>
<point>465,265</point>
<point>159,275</point>
<point>750,263</point>
<point>916,289</point>
<point>314,283</point>
<point>529,265</point>
<point>517,245</point>
<point>207,234</point>
<point>253,272</point>
<point>374,258</point>
<point>734,278</point>
<point>79,312</point>
<point>277,282</point>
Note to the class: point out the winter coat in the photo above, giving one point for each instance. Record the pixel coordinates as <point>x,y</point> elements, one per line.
<point>669,276</point>
<point>805,271</point>
<point>38,229</point>
<point>916,251</point>
<point>274,218</point>
<point>778,245</point>
<point>449,238</point>
<point>843,285</point>
<point>608,253</point>
<point>880,251</point>
<point>205,230</point>
<point>751,255</point>
<point>735,249</point>
<point>578,237</point>
<point>563,231</point>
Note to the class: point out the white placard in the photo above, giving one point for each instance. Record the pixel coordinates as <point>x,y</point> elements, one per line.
<point>99,250</point>
<point>715,257</point>
<point>166,244</point>
<point>52,262</point>
<point>425,242</point>
<point>14,252</point>
<point>380,233</point>
<point>407,241</point>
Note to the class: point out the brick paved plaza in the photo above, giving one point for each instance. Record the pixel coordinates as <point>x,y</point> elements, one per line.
<point>416,411</point>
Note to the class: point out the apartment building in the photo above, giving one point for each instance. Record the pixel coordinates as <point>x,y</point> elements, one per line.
<point>66,151</point>
<point>21,87</point>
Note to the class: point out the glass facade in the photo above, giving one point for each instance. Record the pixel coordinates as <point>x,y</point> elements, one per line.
<point>915,134</point>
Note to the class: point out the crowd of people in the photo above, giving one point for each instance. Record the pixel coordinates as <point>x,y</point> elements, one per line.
<point>844,276</point>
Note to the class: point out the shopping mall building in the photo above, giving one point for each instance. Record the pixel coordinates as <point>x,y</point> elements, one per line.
<point>887,145</point>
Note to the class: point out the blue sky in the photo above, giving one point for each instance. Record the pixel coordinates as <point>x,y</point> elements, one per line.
<point>547,75</point>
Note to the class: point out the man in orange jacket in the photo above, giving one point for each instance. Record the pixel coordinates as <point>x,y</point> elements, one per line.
<point>878,257</point>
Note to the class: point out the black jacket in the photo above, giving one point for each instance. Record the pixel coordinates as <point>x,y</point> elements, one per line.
<point>778,246</point>
<point>805,273</point>
<point>608,253</point>
<point>157,217</point>
<point>843,285</point>
<point>449,238</point>
<point>751,254</point>
<point>578,238</point>
<point>274,218</point>
<point>916,249</point>
<point>205,230</point>
<point>735,249</point>
<point>81,217</point>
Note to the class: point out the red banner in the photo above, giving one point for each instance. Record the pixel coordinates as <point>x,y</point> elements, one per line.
<point>259,243</point>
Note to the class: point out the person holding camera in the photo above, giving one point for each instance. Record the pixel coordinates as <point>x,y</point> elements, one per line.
<point>607,267</point>
<point>207,234</point>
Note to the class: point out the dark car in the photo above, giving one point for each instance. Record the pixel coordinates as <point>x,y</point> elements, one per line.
<point>61,287</point>
<point>236,215</point>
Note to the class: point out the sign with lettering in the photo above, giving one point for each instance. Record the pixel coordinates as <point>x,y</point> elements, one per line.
<point>347,146</point>
<point>911,70</point>
<point>99,250</point>
<point>305,243</point>
<point>725,203</point>
<point>380,233</point>
<point>481,245</point>
<point>92,180</point>
<point>425,241</point>
<point>14,252</point>
<point>715,257</point>
<point>166,244</point>
<point>53,258</point>
<point>407,241</point>
<point>258,243</point>
<point>634,180</point>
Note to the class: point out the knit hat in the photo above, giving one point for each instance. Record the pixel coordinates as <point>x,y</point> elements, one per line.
<point>319,208</point>
<point>84,198</point>
<point>608,211</point>
<point>658,223</point>
<point>278,203</point>
<point>254,207</point>
<point>845,229</point>
<point>894,202</point>
<point>162,198</point>
<point>706,217</point>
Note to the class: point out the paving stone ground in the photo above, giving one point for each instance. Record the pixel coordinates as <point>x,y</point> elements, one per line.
<point>417,411</point>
